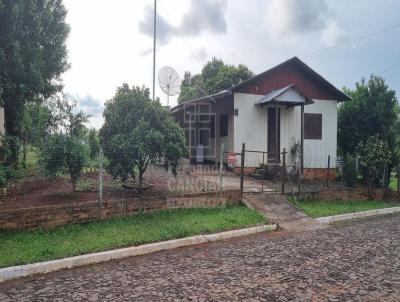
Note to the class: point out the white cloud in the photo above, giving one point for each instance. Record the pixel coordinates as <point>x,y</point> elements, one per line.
<point>202,16</point>
<point>333,34</point>
<point>294,18</point>
<point>87,104</point>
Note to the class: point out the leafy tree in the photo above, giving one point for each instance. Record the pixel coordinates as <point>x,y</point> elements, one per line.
<point>214,77</point>
<point>374,110</point>
<point>137,131</point>
<point>374,158</point>
<point>66,150</point>
<point>33,55</point>
<point>94,143</point>
<point>192,87</point>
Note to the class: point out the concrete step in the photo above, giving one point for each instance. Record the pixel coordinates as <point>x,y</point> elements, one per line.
<point>277,209</point>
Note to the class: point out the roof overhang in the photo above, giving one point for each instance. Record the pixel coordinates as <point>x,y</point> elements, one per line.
<point>208,98</point>
<point>288,96</point>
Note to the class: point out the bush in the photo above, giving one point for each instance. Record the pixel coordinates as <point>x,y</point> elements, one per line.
<point>374,159</point>
<point>3,176</point>
<point>349,170</point>
<point>8,173</point>
<point>94,143</point>
<point>67,150</point>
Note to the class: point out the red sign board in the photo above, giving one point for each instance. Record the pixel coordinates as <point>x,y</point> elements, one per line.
<point>231,160</point>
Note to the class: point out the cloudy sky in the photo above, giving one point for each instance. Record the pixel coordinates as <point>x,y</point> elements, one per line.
<point>111,41</point>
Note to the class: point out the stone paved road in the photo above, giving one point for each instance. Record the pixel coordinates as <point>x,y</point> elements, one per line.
<point>355,261</point>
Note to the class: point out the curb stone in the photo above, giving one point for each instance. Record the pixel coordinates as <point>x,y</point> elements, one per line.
<point>14,272</point>
<point>342,217</point>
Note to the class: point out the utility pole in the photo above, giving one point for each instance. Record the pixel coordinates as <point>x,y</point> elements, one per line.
<point>154,48</point>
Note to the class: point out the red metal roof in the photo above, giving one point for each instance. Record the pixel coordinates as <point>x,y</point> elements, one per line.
<point>296,72</point>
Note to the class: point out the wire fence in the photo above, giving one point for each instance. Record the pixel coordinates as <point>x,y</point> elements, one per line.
<point>98,194</point>
<point>283,172</point>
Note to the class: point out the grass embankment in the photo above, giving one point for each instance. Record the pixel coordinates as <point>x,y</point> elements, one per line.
<point>21,247</point>
<point>330,208</point>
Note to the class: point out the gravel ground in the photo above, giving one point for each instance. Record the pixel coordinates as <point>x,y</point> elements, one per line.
<point>357,261</point>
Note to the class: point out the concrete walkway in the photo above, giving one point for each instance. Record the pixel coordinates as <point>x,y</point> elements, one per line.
<point>277,209</point>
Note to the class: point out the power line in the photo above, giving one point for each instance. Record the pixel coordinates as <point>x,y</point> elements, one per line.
<point>353,40</point>
<point>154,48</point>
<point>390,67</point>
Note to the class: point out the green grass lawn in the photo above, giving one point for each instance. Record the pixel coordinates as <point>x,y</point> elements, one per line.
<point>330,208</point>
<point>21,247</point>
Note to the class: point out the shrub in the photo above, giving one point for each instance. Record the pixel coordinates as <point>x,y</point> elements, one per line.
<point>3,176</point>
<point>374,158</point>
<point>8,173</point>
<point>349,170</point>
<point>94,143</point>
<point>66,151</point>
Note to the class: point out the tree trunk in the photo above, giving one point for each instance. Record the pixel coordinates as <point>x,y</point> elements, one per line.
<point>140,189</point>
<point>141,178</point>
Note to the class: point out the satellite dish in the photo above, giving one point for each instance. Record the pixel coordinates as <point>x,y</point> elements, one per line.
<point>169,82</point>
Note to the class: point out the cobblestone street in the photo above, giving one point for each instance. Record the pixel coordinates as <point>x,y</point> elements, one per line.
<point>353,261</point>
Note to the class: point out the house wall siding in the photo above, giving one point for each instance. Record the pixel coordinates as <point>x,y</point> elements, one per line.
<point>251,128</point>
<point>316,152</point>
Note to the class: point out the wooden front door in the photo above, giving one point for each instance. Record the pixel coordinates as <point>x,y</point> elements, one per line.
<point>273,139</point>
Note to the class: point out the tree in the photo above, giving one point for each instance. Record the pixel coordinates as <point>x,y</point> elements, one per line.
<point>138,131</point>
<point>374,156</point>
<point>214,77</point>
<point>94,143</point>
<point>33,55</point>
<point>66,150</point>
<point>374,110</point>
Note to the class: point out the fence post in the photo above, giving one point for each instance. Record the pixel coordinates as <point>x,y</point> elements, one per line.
<point>342,171</point>
<point>220,171</point>
<point>242,169</point>
<point>100,180</point>
<point>327,172</point>
<point>283,170</point>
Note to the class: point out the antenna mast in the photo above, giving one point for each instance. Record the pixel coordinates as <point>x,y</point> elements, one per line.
<point>154,48</point>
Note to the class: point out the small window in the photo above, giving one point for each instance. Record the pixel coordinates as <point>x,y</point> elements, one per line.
<point>223,125</point>
<point>312,126</point>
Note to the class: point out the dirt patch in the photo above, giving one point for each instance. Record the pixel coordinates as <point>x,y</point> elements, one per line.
<point>39,191</point>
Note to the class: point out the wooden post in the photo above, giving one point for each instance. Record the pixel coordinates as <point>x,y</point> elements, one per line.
<point>276,134</point>
<point>283,170</point>
<point>263,166</point>
<point>220,171</point>
<point>327,172</point>
<point>100,180</point>
<point>242,168</point>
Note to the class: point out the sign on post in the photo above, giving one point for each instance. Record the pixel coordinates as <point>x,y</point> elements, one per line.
<point>232,160</point>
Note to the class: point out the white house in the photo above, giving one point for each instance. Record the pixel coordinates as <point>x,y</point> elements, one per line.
<point>287,105</point>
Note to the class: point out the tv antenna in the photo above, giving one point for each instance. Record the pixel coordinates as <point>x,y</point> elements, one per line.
<point>169,82</point>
